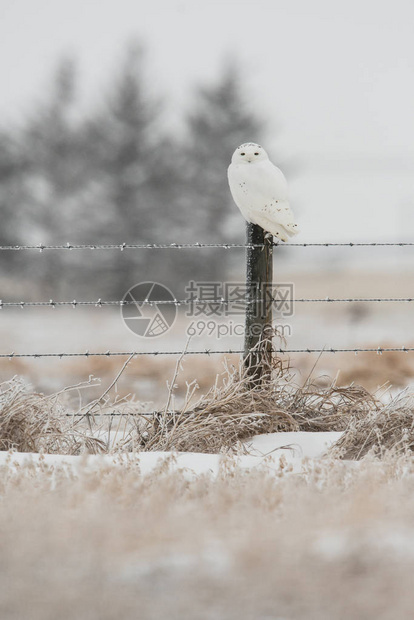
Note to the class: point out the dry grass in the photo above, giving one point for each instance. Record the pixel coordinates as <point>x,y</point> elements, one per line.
<point>144,377</point>
<point>332,542</point>
<point>372,369</point>
<point>95,543</point>
<point>235,409</point>
<point>31,422</point>
<point>387,428</point>
<point>369,370</point>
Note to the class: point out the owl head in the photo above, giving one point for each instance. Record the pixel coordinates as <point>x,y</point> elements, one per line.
<point>249,153</point>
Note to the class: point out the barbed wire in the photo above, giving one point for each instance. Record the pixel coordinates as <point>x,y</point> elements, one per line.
<point>117,414</point>
<point>348,300</point>
<point>124,246</point>
<point>198,302</point>
<point>87,354</point>
<point>128,246</point>
<point>181,246</point>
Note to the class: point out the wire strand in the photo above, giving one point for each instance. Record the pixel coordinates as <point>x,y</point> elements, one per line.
<point>198,302</point>
<point>182,246</point>
<point>87,354</point>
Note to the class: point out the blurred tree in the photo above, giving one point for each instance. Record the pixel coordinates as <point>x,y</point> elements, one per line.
<point>117,177</point>
<point>134,174</point>
<point>9,166</point>
<point>221,120</point>
<point>51,176</point>
<point>51,145</point>
<point>40,169</point>
<point>9,197</point>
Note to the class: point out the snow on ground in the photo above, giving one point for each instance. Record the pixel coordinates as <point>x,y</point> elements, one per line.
<point>89,536</point>
<point>263,451</point>
<point>292,445</point>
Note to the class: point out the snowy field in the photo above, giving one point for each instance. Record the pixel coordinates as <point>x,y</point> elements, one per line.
<point>279,529</point>
<point>288,448</point>
<point>282,533</point>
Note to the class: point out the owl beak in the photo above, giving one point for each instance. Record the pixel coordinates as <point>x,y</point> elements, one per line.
<point>249,159</point>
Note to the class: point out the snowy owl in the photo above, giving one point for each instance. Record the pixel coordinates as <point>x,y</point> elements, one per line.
<point>260,191</point>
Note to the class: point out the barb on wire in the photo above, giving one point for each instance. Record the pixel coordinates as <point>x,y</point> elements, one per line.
<point>181,246</point>
<point>182,302</point>
<point>132,354</point>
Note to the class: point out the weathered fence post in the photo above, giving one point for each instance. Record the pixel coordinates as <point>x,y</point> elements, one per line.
<point>258,327</point>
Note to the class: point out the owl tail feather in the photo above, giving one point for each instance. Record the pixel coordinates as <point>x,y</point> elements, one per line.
<point>291,229</point>
<point>280,232</point>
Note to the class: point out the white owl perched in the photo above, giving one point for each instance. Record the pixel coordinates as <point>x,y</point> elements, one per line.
<point>260,191</point>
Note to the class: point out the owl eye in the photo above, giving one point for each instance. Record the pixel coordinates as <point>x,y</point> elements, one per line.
<point>242,153</point>
<point>256,153</point>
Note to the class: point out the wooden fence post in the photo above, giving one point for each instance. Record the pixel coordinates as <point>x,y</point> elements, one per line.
<point>258,328</point>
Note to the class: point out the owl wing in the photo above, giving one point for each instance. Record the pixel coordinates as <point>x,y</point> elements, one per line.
<point>261,193</point>
<point>278,211</point>
<point>253,187</point>
<point>273,206</point>
<point>239,189</point>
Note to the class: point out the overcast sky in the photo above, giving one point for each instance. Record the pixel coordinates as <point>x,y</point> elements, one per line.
<point>335,80</point>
